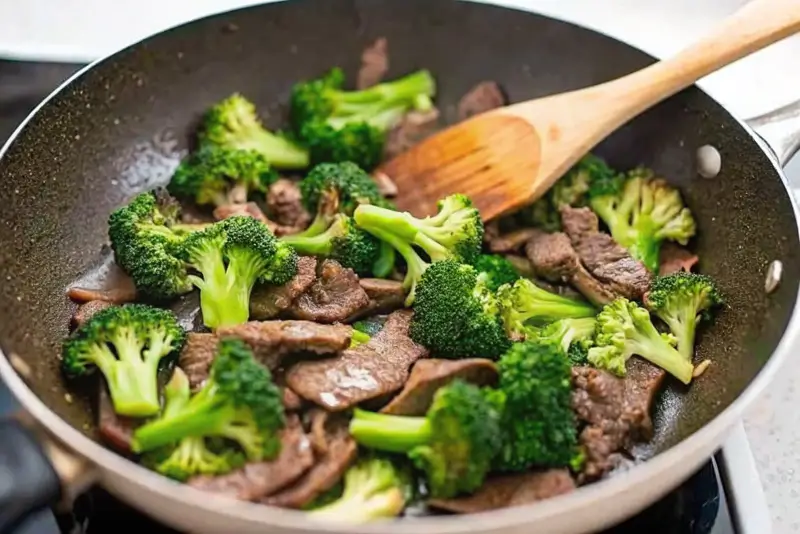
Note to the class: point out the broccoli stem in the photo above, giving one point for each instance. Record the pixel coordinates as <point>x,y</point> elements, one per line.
<point>648,343</point>
<point>132,379</point>
<point>388,503</point>
<point>311,245</point>
<point>279,151</point>
<point>385,263</point>
<point>320,223</point>
<point>401,224</point>
<point>401,90</point>
<point>684,326</point>
<point>647,250</point>
<point>390,433</point>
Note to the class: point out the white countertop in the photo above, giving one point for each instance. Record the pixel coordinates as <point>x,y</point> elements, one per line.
<point>82,30</point>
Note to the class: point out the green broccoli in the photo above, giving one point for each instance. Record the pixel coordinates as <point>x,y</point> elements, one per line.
<point>146,237</point>
<point>127,344</point>
<point>213,173</point>
<point>374,488</point>
<point>524,305</point>
<point>567,333</point>
<point>371,325</point>
<point>455,232</point>
<point>359,338</point>
<point>234,123</point>
<point>239,403</point>
<point>453,444</point>
<point>455,315</point>
<point>538,423</point>
<point>230,257</point>
<point>681,300</point>
<point>192,455</point>
<point>495,271</point>
<point>623,329</point>
<point>641,211</point>
<point>339,125</point>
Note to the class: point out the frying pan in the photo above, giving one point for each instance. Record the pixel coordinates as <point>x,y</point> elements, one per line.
<point>120,125</point>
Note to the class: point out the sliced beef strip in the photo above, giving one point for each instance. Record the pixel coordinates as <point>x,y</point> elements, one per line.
<point>368,371</point>
<point>428,375</point>
<point>257,480</point>
<point>485,96</point>
<point>675,258</point>
<point>603,257</point>
<point>291,400</point>
<point>385,296</point>
<point>197,356</point>
<point>272,340</point>
<point>284,204</point>
<point>340,452</point>
<point>333,297</point>
<point>84,312</point>
<point>268,301</point>
<point>616,412</point>
<point>116,430</point>
<point>374,63</point>
<point>120,294</point>
<point>512,241</point>
<point>251,209</point>
<point>510,490</point>
<point>318,422</point>
<point>412,129</point>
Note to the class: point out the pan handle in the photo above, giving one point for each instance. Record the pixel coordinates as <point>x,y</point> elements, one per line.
<point>35,472</point>
<point>780,129</point>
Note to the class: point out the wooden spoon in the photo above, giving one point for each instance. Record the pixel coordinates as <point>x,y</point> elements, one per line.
<point>508,157</point>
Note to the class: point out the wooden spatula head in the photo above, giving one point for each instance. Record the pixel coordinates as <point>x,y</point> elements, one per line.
<point>493,158</point>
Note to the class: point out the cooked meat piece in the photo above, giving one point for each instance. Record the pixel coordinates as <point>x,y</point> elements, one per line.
<point>272,340</point>
<point>87,310</point>
<point>512,241</point>
<point>105,281</point>
<point>291,400</point>
<point>115,295</point>
<point>326,472</point>
<point>333,297</point>
<point>386,185</point>
<point>318,433</point>
<point>675,258</point>
<point>427,376</point>
<point>249,209</point>
<point>256,480</point>
<point>268,301</point>
<point>385,296</point>
<point>197,356</point>
<point>603,257</point>
<point>371,370</point>
<point>483,97</point>
<point>590,287</point>
<point>415,126</point>
<point>615,410</point>
<point>510,490</point>
<point>114,429</point>
<point>374,63</point>
<point>284,204</point>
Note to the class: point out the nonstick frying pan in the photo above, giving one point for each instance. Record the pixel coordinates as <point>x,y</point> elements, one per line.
<point>120,125</point>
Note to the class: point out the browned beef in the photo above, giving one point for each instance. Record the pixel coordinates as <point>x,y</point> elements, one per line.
<point>340,451</point>
<point>603,257</point>
<point>87,310</point>
<point>256,480</point>
<point>284,204</point>
<point>268,301</point>
<point>114,429</point>
<point>485,96</point>
<point>272,340</point>
<point>197,356</point>
<point>116,287</point>
<point>428,375</point>
<point>510,490</point>
<point>291,400</point>
<point>590,287</point>
<point>385,296</point>
<point>249,209</point>
<point>333,297</point>
<point>413,128</point>
<point>675,258</point>
<point>374,63</point>
<point>512,241</point>
<point>616,412</point>
<point>368,371</point>
<point>318,430</point>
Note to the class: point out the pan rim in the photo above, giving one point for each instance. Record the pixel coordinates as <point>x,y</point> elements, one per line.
<point>165,489</point>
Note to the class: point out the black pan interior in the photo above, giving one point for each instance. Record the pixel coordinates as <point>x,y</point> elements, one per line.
<point>122,126</point>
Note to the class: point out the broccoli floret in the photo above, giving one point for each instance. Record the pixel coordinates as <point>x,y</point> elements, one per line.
<point>350,183</point>
<point>192,455</point>
<point>453,444</point>
<point>339,125</point>
<point>495,270</point>
<point>213,173</point>
<point>359,338</point>
<point>681,300</point>
<point>524,305</point>
<point>455,232</point>
<point>127,344</point>
<point>641,211</point>
<point>538,423</point>
<point>145,237</point>
<point>455,315</point>
<point>623,329</point>
<point>230,257</point>
<point>374,488</point>
<point>344,242</point>
<point>239,403</point>
<point>234,123</point>
<point>566,333</point>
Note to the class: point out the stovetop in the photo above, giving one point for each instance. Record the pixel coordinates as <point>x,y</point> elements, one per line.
<point>702,505</point>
